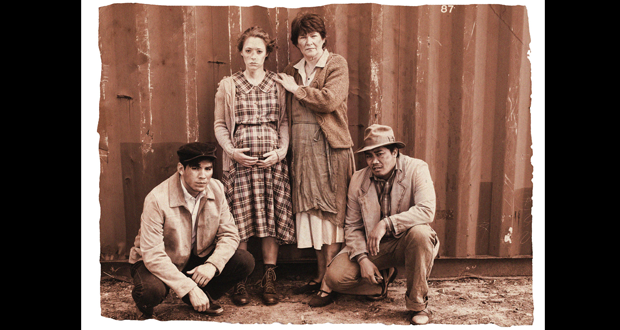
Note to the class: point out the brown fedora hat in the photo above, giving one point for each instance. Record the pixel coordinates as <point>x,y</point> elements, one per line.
<point>376,136</point>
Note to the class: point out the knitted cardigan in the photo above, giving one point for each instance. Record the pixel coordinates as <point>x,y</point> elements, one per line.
<point>327,97</point>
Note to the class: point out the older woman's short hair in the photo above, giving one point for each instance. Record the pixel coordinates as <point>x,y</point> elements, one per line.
<point>306,23</point>
<point>256,32</point>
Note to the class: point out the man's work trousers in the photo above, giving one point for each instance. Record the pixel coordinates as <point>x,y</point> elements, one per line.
<point>149,291</point>
<point>415,250</point>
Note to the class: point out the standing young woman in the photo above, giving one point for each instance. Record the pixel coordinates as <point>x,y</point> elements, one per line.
<point>251,126</point>
<point>322,162</point>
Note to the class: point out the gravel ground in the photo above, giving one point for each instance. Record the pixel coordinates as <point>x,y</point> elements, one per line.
<point>503,302</point>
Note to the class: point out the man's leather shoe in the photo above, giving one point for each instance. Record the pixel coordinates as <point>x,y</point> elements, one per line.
<point>421,317</point>
<point>214,309</point>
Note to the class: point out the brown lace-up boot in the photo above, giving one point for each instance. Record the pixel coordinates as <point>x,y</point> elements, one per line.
<point>240,296</point>
<point>270,296</point>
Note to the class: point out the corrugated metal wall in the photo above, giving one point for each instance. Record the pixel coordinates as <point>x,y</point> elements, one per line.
<point>453,81</point>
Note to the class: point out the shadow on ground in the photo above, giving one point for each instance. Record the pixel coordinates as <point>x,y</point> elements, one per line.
<point>503,302</point>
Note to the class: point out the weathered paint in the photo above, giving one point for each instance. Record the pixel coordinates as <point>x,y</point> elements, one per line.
<point>508,237</point>
<point>455,86</point>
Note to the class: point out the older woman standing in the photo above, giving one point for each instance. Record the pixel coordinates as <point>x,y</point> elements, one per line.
<point>322,158</point>
<point>251,126</point>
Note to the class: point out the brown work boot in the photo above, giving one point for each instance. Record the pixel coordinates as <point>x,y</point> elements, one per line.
<point>240,296</point>
<point>270,296</point>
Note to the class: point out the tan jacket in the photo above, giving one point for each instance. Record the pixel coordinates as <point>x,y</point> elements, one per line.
<point>224,123</point>
<point>327,97</point>
<point>164,241</point>
<point>412,198</point>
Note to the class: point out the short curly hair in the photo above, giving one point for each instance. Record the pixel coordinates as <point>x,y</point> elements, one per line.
<point>256,32</point>
<point>306,23</point>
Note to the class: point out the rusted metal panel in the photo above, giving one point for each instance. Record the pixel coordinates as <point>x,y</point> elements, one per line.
<point>453,82</point>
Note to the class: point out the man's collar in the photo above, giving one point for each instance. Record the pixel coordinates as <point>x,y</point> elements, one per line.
<point>177,191</point>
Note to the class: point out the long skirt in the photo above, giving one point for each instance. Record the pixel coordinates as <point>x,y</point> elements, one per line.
<point>260,201</point>
<point>320,180</point>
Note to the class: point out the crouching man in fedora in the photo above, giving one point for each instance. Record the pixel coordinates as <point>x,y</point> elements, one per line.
<point>390,206</point>
<point>188,238</point>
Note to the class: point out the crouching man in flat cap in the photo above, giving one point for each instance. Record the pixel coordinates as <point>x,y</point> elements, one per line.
<point>188,238</point>
<point>390,206</point>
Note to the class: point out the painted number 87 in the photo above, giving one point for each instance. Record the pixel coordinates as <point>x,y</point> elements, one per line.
<point>444,8</point>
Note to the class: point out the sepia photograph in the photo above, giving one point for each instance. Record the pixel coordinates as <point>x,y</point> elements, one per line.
<point>268,163</point>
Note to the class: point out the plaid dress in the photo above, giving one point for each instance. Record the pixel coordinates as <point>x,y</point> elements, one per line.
<point>259,198</point>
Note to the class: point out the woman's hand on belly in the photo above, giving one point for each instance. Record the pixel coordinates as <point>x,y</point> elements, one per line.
<point>240,157</point>
<point>271,158</point>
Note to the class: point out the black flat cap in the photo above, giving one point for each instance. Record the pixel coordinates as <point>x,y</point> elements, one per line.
<point>195,150</point>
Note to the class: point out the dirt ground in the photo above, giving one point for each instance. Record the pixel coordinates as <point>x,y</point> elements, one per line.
<point>503,302</point>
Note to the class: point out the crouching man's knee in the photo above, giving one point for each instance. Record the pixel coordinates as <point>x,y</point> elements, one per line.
<point>342,273</point>
<point>422,237</point>
<point>148,291</point>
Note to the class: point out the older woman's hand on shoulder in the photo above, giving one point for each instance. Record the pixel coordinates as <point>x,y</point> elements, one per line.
<point>288,82</point>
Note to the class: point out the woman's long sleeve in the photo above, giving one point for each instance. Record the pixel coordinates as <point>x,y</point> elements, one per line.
<point>220,125</point>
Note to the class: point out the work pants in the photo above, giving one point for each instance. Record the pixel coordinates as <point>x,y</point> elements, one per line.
<point>149,291</point>
<point>415,251</point>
